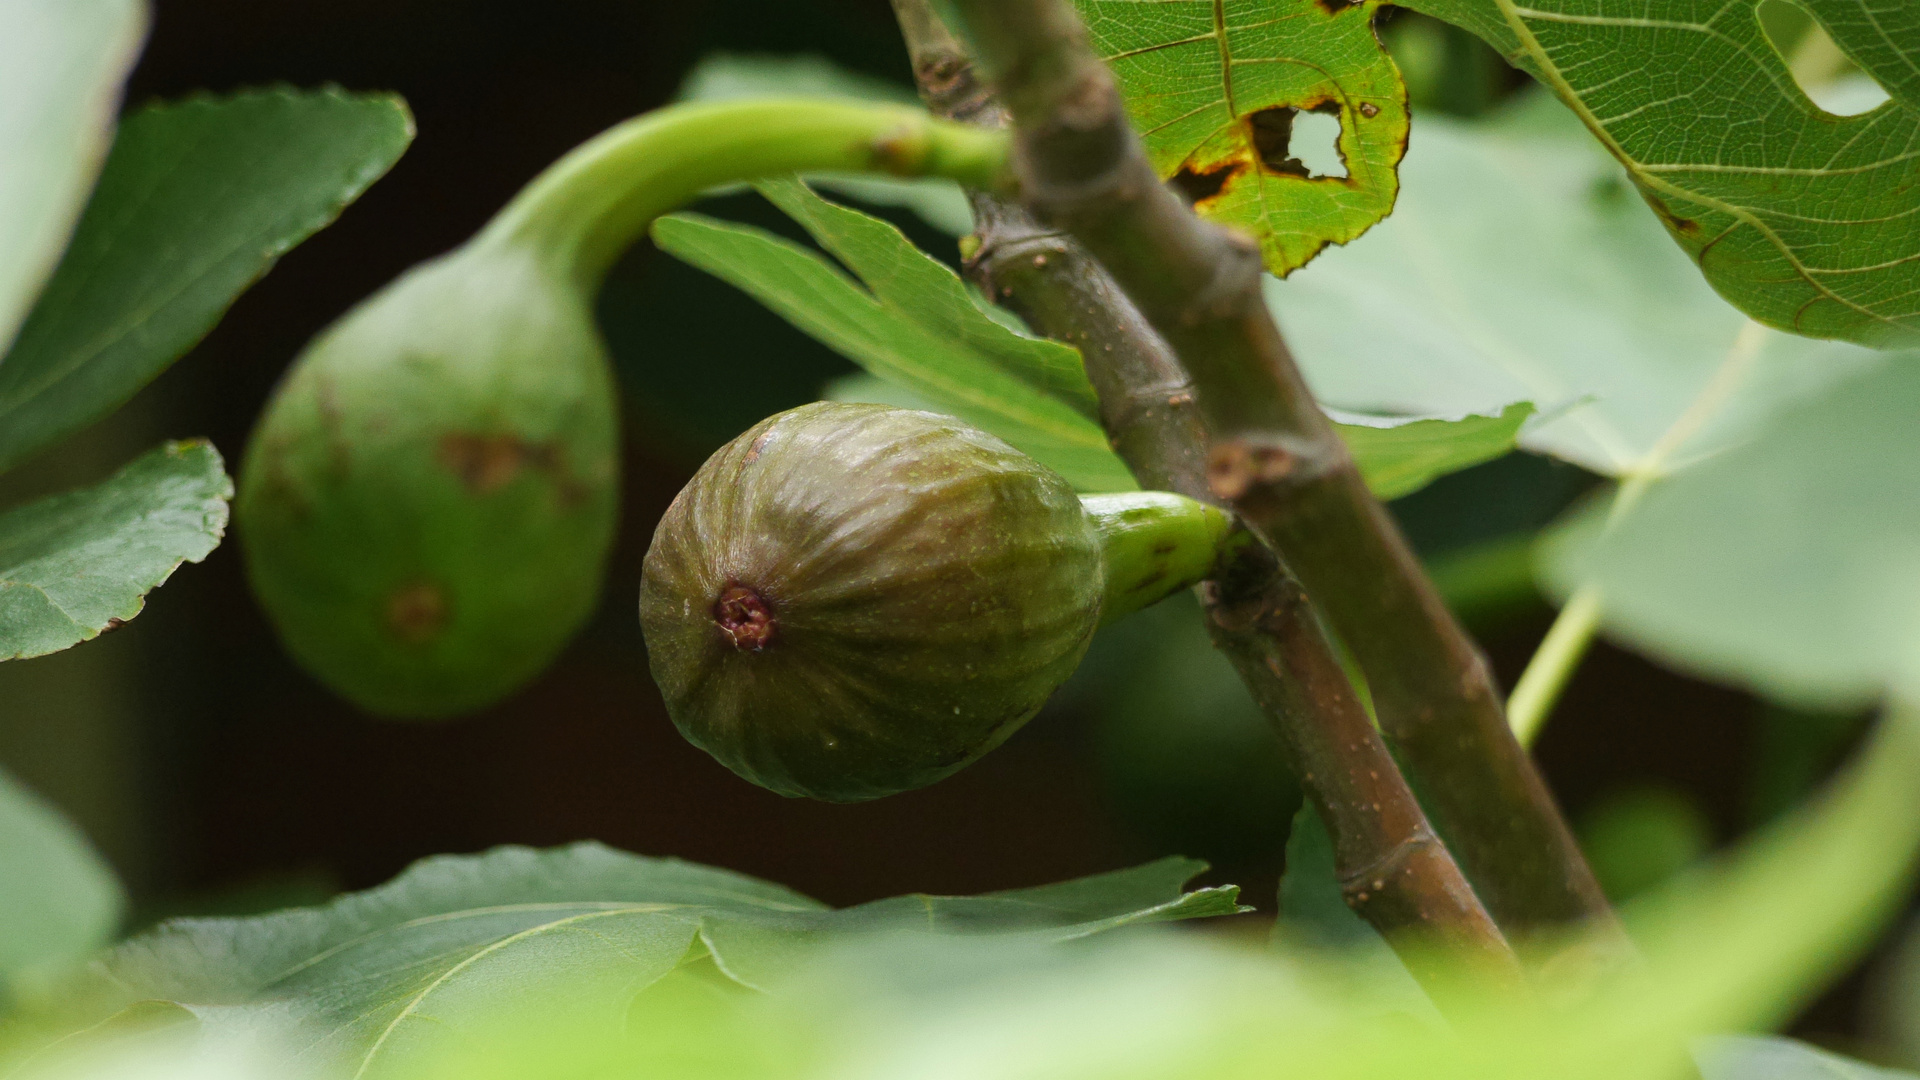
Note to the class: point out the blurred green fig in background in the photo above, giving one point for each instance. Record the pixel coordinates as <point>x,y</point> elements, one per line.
<point>428,500</point>
<point>853,600</point>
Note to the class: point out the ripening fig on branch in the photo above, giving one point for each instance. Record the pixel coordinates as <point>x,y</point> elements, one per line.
<point>428,500</point>
<point>853,600</point>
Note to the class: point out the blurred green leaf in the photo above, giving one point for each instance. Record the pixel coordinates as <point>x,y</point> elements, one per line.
<point>945,348</point>
<point>1807,221</point>
<point>1737,946</point>
<point>1518,266</point>
<point>59,900</point>
<point>1790,564</point>
<point>77,563</point>
<point>1638,838</point>
<point>197,200</point>
<point>1400,455</point>
<point>378,980</point>
<point>1753,1057</point>
<point>892,341</point>
<point>1224,94</point>
<point>1188,761</point>
<point>905,279</point>
<point>61,64</point>
<point>1313,912</point>
<point>720,76</point>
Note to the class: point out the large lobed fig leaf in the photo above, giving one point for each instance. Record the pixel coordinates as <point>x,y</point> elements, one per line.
<point>1222,90</point>
<point>1783,576</point>
<point>1807,221</point>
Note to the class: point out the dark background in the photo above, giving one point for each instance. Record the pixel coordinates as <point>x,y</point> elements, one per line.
<point>218,776</point>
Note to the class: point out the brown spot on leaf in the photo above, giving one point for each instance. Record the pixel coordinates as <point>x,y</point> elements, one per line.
<point>113,623</point>
<point>1673,221</point>
<point>745,617</point>
<point>1199,186</point>
<point>417,613</point>
<point>1335,7</point>
<point>1369,110</point>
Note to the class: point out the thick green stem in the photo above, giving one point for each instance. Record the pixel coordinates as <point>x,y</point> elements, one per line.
<point>1156,543</point>
<point>591,205</point>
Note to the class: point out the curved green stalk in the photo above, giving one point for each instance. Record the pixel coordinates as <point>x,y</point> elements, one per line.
<point>591,205</point>
<point>1553,664</point>
<point>1156,543</point>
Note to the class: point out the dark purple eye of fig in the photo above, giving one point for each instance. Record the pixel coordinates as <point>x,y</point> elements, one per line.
<point>745,617</point>
<point>849,601</point>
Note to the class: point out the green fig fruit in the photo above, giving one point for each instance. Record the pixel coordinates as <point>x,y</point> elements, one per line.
<point>853,600</point>
<point>427,502</point>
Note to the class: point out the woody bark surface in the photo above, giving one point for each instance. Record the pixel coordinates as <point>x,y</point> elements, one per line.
<point>1273,456</point>
<point>1393,870</point>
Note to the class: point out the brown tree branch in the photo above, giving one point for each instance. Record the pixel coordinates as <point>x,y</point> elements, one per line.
<point>1274,457</point>
<point>1393,870</point>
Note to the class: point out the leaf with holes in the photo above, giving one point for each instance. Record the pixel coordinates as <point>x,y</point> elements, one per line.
<point>1807,221</point>
<point>75,564</point>
<point>1230,96</point>
<point>377,981</point>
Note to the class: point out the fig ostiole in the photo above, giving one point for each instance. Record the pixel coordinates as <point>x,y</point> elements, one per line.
<point>427,502</point>
<point>854,600</point>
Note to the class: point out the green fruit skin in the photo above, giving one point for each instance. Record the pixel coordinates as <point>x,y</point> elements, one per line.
<point>428,500</point>
<point>930,587</point>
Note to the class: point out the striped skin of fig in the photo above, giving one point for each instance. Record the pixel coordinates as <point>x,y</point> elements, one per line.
<point>427,502</point>
<point>854,600</point>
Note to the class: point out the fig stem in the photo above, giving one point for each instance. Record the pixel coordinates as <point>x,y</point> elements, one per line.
<point>1275,458</point>
<point>1256,613</point>
<point>592,204</point>
<point>1156,543</point>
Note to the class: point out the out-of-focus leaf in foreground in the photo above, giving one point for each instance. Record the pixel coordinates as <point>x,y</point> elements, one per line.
<point>1231,96</point>
<point>197,200</point>
<point>1807,221</point>
<point>61,63</point>
<point>59,900</point>
<point>1752,1057</point>
<point>377,982</point>
<point>75,564</point>
<point>1739,947</point>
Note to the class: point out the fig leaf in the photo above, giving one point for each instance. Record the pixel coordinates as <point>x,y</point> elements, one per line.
<point>79,563</point>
